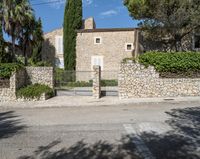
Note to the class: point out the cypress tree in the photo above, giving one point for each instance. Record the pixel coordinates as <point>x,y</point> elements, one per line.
<point>72,22</point>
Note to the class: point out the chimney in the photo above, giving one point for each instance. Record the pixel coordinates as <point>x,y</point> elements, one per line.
<point>89,23</point>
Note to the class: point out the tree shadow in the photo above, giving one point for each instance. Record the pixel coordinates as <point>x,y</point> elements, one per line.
<point>9,124</point>
<point>49,52</point>
<point>183,142</point>
<point>82,150</point>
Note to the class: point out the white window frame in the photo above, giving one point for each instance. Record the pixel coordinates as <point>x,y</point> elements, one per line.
<point>57,38</point>
<point>95,42</point>
<point>132,47</point>
<point>93,61</point>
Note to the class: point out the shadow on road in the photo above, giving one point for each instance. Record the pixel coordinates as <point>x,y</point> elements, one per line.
<point>181,143</point>
<point>9,124</point>
<point>82,150</point>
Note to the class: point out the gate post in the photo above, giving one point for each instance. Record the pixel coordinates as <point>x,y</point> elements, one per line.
<point>96,82</point>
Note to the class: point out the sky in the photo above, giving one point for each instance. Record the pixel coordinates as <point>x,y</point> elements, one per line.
<point>107,13</point>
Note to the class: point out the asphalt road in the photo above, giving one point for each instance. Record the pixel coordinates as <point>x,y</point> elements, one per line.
<point>164,131</point>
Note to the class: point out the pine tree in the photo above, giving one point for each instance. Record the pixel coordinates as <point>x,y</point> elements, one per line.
<point>72,22</point>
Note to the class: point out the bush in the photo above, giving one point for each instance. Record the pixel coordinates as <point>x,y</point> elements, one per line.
<point>105,83</point>
<point>6,69</point>
<point>181,63</point>
<point>79,84</point>
<point>39,64</point>
<point>34,91</point>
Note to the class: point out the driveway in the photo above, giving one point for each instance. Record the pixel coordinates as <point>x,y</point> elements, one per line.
<point>165,130</point>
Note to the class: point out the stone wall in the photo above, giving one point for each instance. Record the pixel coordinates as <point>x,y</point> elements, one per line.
<point>30,75</point>
<point>136,81</point>
<point>41,75</point>
<point>16,81</point>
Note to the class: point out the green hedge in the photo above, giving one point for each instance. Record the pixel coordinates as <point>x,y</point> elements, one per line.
<point>186,63</point>
<point>34,91</point>
<point>6,69</point>
<point>105,83</point>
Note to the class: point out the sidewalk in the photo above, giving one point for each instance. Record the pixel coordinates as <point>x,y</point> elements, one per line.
<point>78,101</point>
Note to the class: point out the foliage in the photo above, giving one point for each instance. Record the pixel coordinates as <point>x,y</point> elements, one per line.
<point>166,21</point>
<point>105,83</point>
<point>6,69</point>
<point>72,22</point>
<point>34,91</point>
<point>79,84</point>
<point>39,64</point>
<point>187,63</point>
<point>38,42</point>
<point>15,14</point>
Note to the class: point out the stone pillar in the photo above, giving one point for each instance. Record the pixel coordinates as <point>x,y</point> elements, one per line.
<point>97,82</point>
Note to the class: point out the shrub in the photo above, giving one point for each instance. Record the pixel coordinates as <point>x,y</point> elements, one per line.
<point>6,69</point>
<point>79,84</point>
<point>187,63</point>
<point>34,91</point>
<point>105,83</point>
<point>38,64</point>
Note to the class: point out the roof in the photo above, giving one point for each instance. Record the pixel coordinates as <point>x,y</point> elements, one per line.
<point>106,30</point>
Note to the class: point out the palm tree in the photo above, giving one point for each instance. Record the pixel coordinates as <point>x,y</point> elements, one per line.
<point>26,38</point>
<point>15,14</point>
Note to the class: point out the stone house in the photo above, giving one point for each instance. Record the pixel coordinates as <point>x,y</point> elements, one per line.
<point>105,47</point>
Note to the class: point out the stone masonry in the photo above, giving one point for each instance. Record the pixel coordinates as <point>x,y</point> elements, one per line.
<point>97,82</point>
<point>112,49</point>
<point>136,81</point>
<point>41,75</point>
<point>29,75</point>
<point>17,81</point>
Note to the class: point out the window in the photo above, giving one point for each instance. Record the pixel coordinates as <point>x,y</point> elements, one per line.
<point>97,60</point>
<point>59,44</point>
<point>196,42</point>
<point>97,40</point>
<point>129,47</point>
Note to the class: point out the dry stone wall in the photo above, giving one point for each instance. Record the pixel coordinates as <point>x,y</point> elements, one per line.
<point>41,75</point>
<point>136,81</point>
<point>16,81</point>
<point>29,75</point>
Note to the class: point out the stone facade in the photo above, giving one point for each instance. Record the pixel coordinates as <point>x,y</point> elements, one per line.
<point>49,52</point>
<point>30,75</point>
<point>111,50</point>
<point>136,81</point>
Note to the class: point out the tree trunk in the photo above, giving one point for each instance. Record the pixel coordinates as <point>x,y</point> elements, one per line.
<point>25,54</point>
<point>13,49</point>
<point>179,46</point>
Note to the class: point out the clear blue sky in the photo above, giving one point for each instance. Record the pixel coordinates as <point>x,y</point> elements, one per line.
<point>107,13</point>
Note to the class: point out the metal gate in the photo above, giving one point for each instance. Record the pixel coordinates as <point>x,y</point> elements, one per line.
<point>71,83</point>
